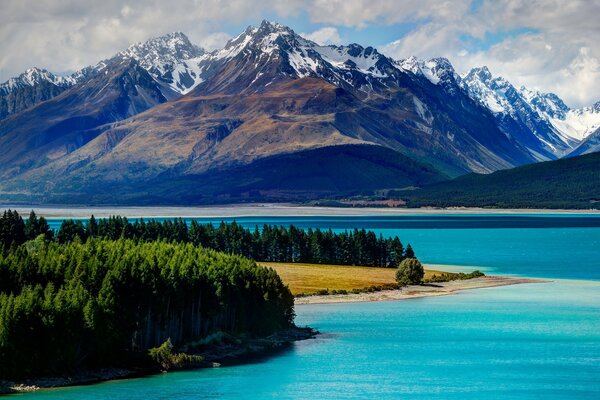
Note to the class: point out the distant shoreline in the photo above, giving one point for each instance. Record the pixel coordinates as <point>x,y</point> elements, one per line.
<point>264,210</point>
<point>414,292</point>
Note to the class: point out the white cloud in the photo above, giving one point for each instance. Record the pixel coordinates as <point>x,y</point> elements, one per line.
<point>324,36</point>
<point>359,13</point>
<point>552,46</point>
<point>214,41</point>
<point>64,35</point>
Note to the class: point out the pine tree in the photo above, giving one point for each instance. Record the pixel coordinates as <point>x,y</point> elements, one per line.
<point>409,253</point>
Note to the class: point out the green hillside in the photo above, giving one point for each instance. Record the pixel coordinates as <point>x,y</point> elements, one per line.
<point>567,183</point>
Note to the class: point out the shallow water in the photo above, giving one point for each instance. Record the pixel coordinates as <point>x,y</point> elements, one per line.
<point>525,341</point>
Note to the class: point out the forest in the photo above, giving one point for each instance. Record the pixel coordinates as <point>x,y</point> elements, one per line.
<point>570,183</point>
<point>270,243</point>
<point>108,291</point>
<point>105,302</point>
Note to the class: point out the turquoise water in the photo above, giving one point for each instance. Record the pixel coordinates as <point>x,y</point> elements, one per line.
<point>552,246</point>
<point>526,341</point>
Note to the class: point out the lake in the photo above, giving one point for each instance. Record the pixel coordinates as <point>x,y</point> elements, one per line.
<point>526,341</point>
<point>540,245</point>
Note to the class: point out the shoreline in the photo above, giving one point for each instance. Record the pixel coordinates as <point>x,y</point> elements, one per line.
<point>418,291</point>
<point>264,210</point>
<point>246,351</point>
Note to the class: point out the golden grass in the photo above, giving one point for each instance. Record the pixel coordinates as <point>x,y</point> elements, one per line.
<point>310,278</point>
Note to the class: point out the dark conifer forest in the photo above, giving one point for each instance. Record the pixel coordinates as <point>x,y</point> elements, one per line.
<point>100,292</point>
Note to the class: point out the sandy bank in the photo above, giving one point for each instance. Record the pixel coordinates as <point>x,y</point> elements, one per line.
<point>411,292</point>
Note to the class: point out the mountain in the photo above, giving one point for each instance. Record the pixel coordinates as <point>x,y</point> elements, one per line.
<point>577,124</point>
<point>590,144</point>
<point>169,59</point>
<point>58,126</point>
<point>439,71</point>
<point>165,58</point>
<point>271,96</point>
<point>585,123</point>
<point>31,87</point>
<point>566,183</point>
<point>263,118</point>
<point>542,122</point>
<point>518,113</point>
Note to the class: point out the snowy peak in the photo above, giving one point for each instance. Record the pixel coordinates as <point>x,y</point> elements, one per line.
<point>489,91</point>
<point>520,113</point>
<point>163,52</point>
<point>481,74</point>
<point>273,52</point>
<point>580,123</point>
<point>166,58</point>
<point>438,71</point>
<point>34,76</point>
<point>545,115</point>
<point>547,104</point>
<point>266,38</point>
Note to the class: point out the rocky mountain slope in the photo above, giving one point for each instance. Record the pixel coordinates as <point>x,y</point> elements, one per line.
<point>57,127</point>
<point>165,58</point>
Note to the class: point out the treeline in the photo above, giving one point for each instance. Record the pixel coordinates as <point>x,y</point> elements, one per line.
<point>100,302</point>
<point>271,243</point>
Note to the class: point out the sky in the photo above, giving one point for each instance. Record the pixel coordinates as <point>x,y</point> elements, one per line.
<point>546,45</point>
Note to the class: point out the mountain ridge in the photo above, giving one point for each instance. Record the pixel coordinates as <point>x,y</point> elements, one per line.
<point>269,95</point>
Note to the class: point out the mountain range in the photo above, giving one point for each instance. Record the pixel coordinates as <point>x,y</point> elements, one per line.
<point>271,116</point>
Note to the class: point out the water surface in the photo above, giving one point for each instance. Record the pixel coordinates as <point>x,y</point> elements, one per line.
<point>536,245</point>
<point>526,341</point>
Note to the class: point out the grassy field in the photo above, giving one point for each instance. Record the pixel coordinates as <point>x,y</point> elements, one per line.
<point>310,278</point>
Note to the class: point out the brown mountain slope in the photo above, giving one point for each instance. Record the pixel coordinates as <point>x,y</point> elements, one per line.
<point>194,137</point>
<point>56,127</point>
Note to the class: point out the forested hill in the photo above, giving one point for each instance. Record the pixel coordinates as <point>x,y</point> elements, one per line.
<point>103,302</point>
<point>566,183</point>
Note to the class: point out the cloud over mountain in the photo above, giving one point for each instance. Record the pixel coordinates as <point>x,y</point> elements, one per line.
<point>547,45</point>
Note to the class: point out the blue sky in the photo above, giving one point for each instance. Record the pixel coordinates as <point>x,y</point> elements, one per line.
<point>547,45</point>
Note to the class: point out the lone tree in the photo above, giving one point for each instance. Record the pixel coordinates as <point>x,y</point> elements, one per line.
<point>410,272</point>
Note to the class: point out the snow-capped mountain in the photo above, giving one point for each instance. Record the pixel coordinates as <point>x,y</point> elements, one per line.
<point>62,124</point>
<point>166,58</point>
<point>586,122</point>
<point>268,100</point>
<point>578,123</point>
<point>526,115</point>
<point>29,88</point>
<point>169,59</point>
<point>272,53</point>
<point>438,71</point>
<point>34,76</point>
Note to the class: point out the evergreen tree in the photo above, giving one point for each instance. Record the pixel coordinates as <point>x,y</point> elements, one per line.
<point>12,229</point>
<point>409,253</point>
<point>91,229</point>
